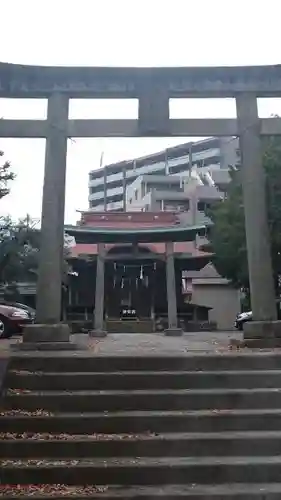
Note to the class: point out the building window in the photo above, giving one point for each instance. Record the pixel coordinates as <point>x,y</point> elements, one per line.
<point>136,194</point>
<point>201,206</point>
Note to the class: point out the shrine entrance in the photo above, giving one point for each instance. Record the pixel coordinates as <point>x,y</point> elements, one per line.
<point>138,268</point>
<point>130,283</point>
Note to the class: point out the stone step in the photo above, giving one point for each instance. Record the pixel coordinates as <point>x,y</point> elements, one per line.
<point>266,443</point>
<point>143,380</point>
<point>230,491</point>
<point>4,362</point>
<point>130,326</point>
<point>144,471</point>
<point>193,399</point>
<point>146,421</point>
<point>85,361</point>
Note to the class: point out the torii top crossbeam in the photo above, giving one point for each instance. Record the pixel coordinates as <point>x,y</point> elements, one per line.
<point>115,82</point>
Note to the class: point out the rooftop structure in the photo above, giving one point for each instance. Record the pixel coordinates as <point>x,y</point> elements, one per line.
<point>175,193</point>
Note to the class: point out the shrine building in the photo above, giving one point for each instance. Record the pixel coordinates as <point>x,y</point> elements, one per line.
<point>129,269</point>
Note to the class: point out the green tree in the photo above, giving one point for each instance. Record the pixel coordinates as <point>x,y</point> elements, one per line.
<point>8,243</point>
<point>19,245</point>
<point>6,175</point>
<point>227,235</point>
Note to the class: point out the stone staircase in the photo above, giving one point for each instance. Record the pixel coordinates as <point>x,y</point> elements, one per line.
<point>201,426</point>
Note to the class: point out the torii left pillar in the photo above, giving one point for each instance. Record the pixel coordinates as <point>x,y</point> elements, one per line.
<point>48,332</point>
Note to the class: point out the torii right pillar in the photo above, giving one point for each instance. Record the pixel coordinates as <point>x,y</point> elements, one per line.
<point>264,330</point>
<point>172,330</point>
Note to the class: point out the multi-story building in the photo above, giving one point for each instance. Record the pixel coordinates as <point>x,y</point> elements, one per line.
<point>209,159</point>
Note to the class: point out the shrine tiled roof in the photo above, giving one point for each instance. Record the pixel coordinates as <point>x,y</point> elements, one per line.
<point>185,247</point>
<point>90,234</point>
<point>132,220</point>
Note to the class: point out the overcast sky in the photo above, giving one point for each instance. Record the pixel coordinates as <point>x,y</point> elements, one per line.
<point>123,33</point>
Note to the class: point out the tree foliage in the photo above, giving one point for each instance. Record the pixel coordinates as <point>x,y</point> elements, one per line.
<point>19,245</point>
<point>19,251</point>
<point>227,235</point>
<point>6,175</point>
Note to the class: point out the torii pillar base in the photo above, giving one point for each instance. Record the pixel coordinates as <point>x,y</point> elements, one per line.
<point>173,332</point>
<point>47,337</point>
<point>262,334</point>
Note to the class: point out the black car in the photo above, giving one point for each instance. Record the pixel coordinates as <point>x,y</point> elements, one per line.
<point>13,319</point>
<point>30,311</point>
<point>242,318</point>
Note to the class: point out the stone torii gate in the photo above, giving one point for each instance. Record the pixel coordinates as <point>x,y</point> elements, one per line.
<point>153,87</point>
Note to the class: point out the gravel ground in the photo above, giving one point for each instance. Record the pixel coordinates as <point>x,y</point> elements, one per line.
<point>159,344</point>
<point>125,343</point>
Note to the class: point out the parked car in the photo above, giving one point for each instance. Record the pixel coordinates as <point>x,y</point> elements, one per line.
<point>31,312</point>
<point>242,318</point>
<point>12,320</point>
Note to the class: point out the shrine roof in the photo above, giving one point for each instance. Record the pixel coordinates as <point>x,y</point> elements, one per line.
<point>185,248</point>
<point>90,234</point>
<point>128,219</point>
